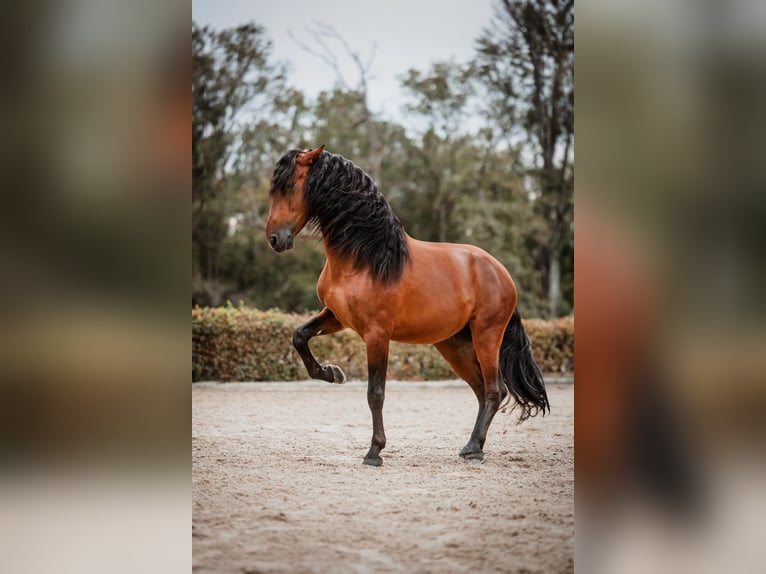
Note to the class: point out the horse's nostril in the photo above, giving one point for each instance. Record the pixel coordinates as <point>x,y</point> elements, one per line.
<point>273,241</point>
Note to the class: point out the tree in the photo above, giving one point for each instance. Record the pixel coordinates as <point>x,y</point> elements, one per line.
<point>526,60</point>
<point>231,77</point>
<point>438,100</point>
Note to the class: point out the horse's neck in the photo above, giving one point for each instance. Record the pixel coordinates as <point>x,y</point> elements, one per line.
<point>337,261</point>
<point>344,264</point>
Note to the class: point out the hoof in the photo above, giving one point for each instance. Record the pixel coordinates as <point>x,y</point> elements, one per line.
<point>471,454</point>
<point>373,461</point>
<point>336,373</point>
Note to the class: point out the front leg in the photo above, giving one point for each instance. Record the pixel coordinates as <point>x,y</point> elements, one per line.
<point>377,364</point>
<point>324,323</point>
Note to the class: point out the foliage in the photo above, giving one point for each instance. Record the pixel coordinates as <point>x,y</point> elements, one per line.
<point>526,62</point>
<point>230,70</point>
<point>552,343</point>
<point>243,344</point>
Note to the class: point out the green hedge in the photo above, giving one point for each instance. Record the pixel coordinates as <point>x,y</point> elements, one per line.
<point>242,344</point>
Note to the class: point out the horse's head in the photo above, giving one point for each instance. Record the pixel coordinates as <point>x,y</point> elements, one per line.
<point>287,214</point>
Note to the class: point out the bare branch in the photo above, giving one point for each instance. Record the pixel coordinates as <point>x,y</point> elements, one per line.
<point>321,33</point>
<point>371,58</point>
<point>326,55</point>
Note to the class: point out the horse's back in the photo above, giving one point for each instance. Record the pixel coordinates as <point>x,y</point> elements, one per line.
<point>468,270</point>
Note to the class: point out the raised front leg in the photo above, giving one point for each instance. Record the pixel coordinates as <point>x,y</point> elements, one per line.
<point>377,364</point>
<point>324,323</point>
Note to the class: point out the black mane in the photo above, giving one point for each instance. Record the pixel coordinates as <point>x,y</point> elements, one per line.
<point>282,180</point>
<point>345,204</point>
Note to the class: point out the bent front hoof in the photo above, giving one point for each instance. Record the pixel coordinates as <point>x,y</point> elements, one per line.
<point>471,453</point>
<point>334,374</point>
<point>373,461</point>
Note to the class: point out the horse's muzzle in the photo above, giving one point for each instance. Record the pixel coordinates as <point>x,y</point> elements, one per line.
<point>281,240</point>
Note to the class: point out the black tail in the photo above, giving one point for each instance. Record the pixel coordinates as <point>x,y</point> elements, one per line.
<point>521,374</point>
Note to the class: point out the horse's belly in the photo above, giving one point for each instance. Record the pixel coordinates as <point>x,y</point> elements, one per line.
<point>428,327</point>
<point>421,338</point>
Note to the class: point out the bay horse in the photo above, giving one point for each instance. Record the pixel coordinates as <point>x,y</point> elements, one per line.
<point>386,286</point>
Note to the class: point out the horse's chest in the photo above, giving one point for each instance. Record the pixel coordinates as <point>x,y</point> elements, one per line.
<point>323,287</point>
<point>342,308</point>
<point>352,299</point>
<point>333,296</point>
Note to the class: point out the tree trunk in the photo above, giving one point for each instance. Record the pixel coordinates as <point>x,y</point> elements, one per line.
<point>207,261</point>
<point>442,222</point>
<point>554,285</point>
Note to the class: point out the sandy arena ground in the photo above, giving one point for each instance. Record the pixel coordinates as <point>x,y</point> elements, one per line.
<point>279,484</point>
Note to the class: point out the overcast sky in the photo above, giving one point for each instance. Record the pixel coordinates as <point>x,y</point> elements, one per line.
<point>408,34</point>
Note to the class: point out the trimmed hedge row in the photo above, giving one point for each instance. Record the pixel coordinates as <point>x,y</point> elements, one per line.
<point>242,344</point>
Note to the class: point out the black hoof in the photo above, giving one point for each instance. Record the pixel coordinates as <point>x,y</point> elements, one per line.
<point>335,374</point>
<point>470,454</point>
<point>373,461</point>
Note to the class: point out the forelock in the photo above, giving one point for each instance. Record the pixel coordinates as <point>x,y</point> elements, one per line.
<point>284,174</point>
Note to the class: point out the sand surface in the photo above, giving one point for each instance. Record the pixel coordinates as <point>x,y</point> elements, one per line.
<point>279,484</point>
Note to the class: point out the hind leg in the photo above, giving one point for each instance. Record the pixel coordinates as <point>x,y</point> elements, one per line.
<point>487,339</point>
<point>459,352</point>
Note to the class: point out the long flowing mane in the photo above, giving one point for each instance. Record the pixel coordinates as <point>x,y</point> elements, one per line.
<point>345,204</point>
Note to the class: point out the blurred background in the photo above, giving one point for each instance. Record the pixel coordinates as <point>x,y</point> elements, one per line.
<point>462,115</point>
<point>94,260</point>
<point>671,346</point>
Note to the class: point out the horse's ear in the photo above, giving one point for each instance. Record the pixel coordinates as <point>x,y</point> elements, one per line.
<point>308,157</point>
